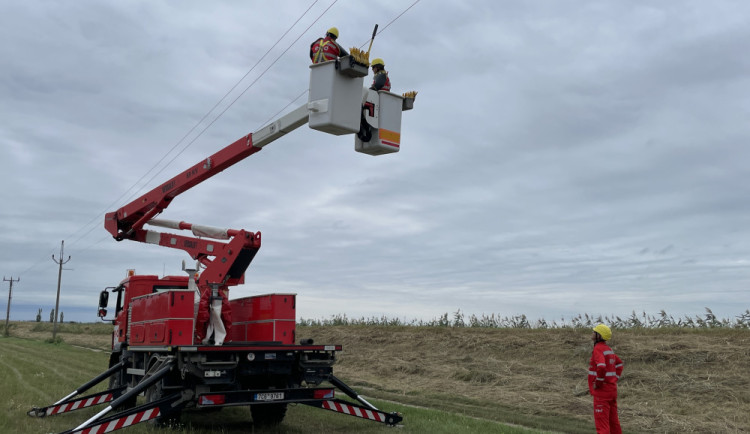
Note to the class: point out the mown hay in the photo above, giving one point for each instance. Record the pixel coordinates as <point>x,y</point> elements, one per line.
<point>674,380</point>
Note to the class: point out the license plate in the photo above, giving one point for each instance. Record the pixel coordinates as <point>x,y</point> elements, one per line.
<point>271,396</point>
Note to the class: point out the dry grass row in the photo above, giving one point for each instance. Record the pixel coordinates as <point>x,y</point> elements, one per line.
<point>674,380</point>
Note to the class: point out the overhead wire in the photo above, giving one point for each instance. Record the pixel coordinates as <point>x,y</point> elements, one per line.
<point>392,21</point>
<point>31,267</point>
<point>258,78</point>
<point>241,93</point>
<point>208,113</point>
<point>230,91</point>
<point>225,109</point>
<point>365,43</point>
<point>222,99</point>
<point>273,116</point>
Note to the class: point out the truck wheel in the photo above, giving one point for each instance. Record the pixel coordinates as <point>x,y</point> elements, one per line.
<point>155,393</point>
<point>118,380</point>
<point>267,414</point>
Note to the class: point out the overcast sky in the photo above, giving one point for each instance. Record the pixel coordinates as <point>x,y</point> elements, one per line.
<point>562,157</point>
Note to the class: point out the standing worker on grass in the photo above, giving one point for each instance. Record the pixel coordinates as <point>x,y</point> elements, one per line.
<point>380,80</point>
<point>326,48</point>
<point>605,369</point>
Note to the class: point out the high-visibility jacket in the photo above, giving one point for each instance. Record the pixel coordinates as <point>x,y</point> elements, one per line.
<point>324,49</point>
<point>605,369</point>
<point>380,81</point>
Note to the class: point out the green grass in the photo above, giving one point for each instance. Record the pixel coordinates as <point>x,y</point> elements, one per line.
<point>305,419</point>
<point>37,373</point>
<point>34,373</point>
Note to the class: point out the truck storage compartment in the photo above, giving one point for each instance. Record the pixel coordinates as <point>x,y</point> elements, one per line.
<point>264,318</point>
<point>162,318</point>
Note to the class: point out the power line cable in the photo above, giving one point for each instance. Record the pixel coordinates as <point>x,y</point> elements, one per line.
<point>223,98</point>
<point>32,266</point>
<point>225,109</point>
<point>221,114</point>
<point>391,22</point>
<point>233,101</point>
<point>116,201</point>
<point>241,93</point>
<point>273,116</point>
<point>365,43</point>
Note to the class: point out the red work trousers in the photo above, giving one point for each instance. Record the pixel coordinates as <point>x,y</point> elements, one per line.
<point>605,416</point>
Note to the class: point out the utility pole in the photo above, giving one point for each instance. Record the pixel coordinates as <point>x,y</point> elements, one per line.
<point>60,262</point>
<point>10,293</point>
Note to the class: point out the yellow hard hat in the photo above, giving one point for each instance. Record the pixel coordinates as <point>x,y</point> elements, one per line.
<point>377,61</point>
<point>603,331</point>
<point>334,31</point>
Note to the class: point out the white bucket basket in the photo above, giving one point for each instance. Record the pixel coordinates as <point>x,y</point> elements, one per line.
<point>382,113</point>
<point>335,97</point>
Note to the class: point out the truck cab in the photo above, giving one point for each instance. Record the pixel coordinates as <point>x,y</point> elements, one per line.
<point>131,288</point>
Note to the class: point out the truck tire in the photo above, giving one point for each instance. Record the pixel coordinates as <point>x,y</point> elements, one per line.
<point>155,393</point>
<point>118,380</point>
<point>267,414</point>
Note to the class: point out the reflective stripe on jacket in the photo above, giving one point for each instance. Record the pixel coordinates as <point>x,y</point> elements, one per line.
<point>324,49</point>
<point>605,369</point>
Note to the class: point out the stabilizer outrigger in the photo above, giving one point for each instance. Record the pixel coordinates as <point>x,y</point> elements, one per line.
<point>70,403</point>
<point>163,407</point>
<point>365,411</point>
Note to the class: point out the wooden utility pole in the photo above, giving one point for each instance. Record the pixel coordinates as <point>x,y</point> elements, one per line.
<point>10,294</point>
<point>60,262</point>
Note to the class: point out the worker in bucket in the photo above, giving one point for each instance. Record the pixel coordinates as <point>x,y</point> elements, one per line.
<point>326,48</point>
<point>605,369</point>
<point>380,80</point>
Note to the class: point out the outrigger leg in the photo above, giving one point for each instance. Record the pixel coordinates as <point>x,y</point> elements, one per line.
<point>136,415</point>
<point>68,404</point>
<point>365,411</point>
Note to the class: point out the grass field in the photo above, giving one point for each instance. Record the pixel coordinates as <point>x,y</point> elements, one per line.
<point>458,380</point>
<point>33,372</point>
<point>37,373</point>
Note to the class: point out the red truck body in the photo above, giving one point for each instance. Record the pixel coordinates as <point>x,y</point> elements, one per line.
<point>162,311</point>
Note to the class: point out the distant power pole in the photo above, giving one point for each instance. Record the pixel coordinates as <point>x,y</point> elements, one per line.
<point>60,262</point>
<point>10,293</point>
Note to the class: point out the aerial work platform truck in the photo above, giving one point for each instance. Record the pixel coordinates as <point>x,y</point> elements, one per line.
<point>179,341</point>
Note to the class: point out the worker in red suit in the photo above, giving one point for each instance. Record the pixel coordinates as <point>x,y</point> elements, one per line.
<point>326,48</point>
<point>213,322</point>
<point>605,369</point>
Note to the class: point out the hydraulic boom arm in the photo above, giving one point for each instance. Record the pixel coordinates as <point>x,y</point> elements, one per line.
<point>124,222</point>
<point>335,106</point>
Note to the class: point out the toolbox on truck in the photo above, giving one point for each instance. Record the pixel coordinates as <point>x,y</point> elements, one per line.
<point>162,318</point>
<point>264,318</point>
